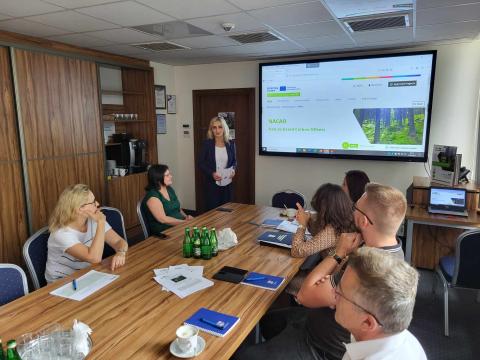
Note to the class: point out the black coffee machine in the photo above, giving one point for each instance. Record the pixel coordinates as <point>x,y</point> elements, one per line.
<point>129,153</point>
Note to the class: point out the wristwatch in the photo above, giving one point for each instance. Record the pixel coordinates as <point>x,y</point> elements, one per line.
<point>334,255</point>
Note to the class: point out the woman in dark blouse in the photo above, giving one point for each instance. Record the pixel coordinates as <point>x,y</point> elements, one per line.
<point>160,204</point>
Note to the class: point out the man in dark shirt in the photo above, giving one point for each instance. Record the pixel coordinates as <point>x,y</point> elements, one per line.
<point>313,333</point>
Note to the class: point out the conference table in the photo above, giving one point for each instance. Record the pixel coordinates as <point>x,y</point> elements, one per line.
<point>132,318</point>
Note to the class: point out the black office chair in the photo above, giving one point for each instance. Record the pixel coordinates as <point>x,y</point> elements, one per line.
<point>115,219</point>
<point>13,283</point>
<point>461,270</point>
<point>143,220</point>
<point>35,252</point>
<point>288,198</point>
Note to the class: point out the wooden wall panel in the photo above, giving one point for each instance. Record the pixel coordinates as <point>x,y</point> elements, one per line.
<point>49,177</point>
<point>13,222</point>
<point>124,193</point>
<point>60,115</point>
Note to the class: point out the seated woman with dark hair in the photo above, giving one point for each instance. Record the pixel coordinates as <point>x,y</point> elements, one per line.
<point>160,204</point>
<point>333,217</point>
<point>354,184</point>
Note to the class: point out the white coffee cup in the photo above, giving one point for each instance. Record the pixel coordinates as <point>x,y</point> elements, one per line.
<point>187,336</point>
<point>123,172</point>
<point>291,213</point>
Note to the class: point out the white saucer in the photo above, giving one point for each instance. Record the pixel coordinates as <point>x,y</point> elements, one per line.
<point>198,350</point>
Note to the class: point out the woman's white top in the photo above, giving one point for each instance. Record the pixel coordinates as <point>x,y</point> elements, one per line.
<point>221,160</point>
<point>60,263</point>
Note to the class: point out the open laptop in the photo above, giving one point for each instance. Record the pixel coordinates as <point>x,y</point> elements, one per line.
<point>448,201</point>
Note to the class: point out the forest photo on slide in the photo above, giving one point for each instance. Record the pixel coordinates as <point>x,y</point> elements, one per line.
<point>401,126</point>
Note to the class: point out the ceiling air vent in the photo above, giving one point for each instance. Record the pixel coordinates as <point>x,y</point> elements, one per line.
<point>377,23</point>
<point>161,46</point>
<point>254,37</point>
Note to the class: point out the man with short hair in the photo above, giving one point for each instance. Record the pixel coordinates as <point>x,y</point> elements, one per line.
<point>299,333</point>
<point>375,301</point>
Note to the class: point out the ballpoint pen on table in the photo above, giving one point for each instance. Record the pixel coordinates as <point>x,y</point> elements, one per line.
<point>74,284</point>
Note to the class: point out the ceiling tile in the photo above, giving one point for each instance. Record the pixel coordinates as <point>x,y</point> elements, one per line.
<point>122,49</point>
<point>82,40</point>
<point>73,4</point>
<point>256,4</point>
<point>447,31</point>
<point>448,14</point>
<point>73,21</point>
<point>200,42</point>
<point>124,36</point>
<point>127,13</point>
<point>26,27</point>
<point>391,35</point>
<point>187,9</point>
<point>424,4</point>
<point>323,28</point>
<point>19,8</point>
<point>243,22</point>
<point>292,14</point>
<point>266,48</point>
<point>320,42</point>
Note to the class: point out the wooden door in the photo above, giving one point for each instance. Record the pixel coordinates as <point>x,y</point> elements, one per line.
<point>60,117</point>
<point>207,104</point>
<point>13,221</point>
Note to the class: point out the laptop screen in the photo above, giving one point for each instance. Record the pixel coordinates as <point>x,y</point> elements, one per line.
<point>447,198</point>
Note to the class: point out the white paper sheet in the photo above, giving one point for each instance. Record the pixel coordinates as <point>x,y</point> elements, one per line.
<point>226,175</point>
<point>86,285</point>
<point>182,283</point>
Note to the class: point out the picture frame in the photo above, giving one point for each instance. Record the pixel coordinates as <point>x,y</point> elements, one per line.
<point>171,104</point>
<point>160,97</point>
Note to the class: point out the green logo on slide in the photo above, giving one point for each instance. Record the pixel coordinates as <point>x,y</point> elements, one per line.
<point>345,145</point>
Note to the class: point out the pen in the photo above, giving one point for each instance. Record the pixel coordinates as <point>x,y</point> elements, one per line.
<point>74,284</point>
<point>219,324</point>
<point>255,278</point>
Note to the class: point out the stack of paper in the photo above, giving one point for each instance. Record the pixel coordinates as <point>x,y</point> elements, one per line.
<point>290,226</point>
<point>182,280</point>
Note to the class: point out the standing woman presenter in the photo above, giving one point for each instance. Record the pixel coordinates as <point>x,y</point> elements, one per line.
<point>218,163</point>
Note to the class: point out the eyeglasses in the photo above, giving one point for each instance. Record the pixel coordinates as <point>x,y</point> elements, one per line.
<point>354,207</point>
<point>339,293</point>
<point>94,202</point>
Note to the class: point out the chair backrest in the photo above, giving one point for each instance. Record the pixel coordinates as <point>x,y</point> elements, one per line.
<point>288,198</point>
<point>143,220</point>
<point>467,260</point>
<point>115,219</point>
<point>13,283</point>
<point>35,253</point>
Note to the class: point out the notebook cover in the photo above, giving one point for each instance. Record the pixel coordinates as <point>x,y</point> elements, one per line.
<point>263,281</point>
<point>277,238</point>
<point>229,321</point>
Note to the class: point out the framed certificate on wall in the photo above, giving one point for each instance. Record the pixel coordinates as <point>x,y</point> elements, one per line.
<point>171,104</point>
<point>160,96</point>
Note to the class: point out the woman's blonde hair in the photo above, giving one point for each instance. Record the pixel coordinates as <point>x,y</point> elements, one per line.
<point>226,130</point>
<point>71,199</point>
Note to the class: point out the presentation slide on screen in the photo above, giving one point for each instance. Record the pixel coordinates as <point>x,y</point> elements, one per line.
<point>449,197</point>
<point>374,106</point>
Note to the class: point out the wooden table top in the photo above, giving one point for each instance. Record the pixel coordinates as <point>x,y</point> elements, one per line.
<point>132,318</point>
<point>420,213</point>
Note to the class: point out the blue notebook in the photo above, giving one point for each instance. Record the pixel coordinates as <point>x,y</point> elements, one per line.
<point>212,322</point>
<point>263,281</point>
<point>276,238</point>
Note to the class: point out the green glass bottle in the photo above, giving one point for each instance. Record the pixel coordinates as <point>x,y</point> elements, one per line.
<point>187,244</point>
<point>2,354</point>
<point>206,247</point>
<point>197,251</point>
<point>12,353</point>
<point>214,241</point>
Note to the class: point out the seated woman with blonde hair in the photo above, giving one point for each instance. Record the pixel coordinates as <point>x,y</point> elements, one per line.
<point>78,232</point>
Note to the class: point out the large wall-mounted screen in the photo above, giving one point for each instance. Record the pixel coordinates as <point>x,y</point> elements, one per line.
<point>370,107</point>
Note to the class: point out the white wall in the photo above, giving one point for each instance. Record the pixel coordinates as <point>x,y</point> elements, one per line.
<point>454,122</point>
